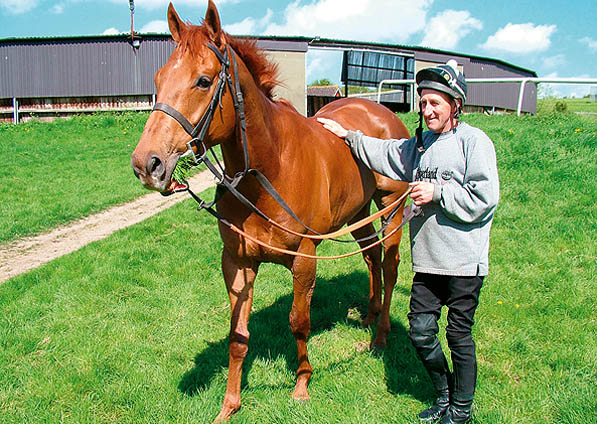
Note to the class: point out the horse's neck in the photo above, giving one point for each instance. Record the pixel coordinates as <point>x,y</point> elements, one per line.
<point>263,148</point>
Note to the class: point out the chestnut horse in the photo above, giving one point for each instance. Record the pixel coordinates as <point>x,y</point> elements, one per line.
<point>311,169</point>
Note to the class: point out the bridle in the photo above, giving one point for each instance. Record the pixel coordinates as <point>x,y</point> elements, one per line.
<point>199,131</point>
<point>197,150</point>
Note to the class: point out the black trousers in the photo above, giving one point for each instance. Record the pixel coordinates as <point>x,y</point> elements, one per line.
<point>461,295</point>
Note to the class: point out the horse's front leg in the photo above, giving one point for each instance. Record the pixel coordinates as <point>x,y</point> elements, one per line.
<point>303,273</point>
<point>239,280</point>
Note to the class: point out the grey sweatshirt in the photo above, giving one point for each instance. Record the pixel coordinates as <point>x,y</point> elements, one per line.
<point>451,237</point>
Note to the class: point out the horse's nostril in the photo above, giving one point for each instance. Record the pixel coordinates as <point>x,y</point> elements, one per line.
<point>154,162</point>
<point>155,167</point>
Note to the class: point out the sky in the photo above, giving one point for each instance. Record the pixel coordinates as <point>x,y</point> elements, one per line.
<point>554,38</point>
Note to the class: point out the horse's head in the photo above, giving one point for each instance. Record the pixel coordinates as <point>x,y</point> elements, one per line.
<point>187,83</point>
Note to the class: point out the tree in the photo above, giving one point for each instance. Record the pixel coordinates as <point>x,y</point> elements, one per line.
<point>320,82</point>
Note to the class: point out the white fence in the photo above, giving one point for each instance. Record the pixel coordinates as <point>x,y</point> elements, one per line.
<point>522,82</point>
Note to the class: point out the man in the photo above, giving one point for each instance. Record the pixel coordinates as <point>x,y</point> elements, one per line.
<point>455,184</point>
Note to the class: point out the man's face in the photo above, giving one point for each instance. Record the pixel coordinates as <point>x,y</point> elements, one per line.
<point>437,110</point>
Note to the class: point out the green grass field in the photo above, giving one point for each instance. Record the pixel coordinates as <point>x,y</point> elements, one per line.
<point>133,328</point>
<point>584,105</point>
<point>53,173</point>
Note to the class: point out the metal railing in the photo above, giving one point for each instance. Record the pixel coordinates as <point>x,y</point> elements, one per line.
<point>522,82</point>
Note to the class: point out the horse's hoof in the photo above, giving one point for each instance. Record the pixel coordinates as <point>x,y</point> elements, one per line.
<point>224,415</point>
<point>301,394</point>
<point>367,322</point>
<point>301,398</point>
<point>370,318</point>
<point>378,345</point>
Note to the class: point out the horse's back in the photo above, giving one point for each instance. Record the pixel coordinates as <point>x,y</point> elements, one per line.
<point>373,120</point>
<point>369,117</point>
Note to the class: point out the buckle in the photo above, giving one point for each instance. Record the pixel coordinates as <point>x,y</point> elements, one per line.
<point>191,152</point>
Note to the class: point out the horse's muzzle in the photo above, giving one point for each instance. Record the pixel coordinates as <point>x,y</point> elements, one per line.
<point>153,173</point>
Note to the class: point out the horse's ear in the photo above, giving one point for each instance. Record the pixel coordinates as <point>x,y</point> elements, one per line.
<point>176,25</point>
<point>213,25</point>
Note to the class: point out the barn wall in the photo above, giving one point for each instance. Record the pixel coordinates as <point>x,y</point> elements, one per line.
<point>80,67</point>
<point>105,72</point>
<point>292,67</point>
<point>100,73</point>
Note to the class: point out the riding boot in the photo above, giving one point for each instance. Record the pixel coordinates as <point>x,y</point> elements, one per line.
<point>456,415</point>
<point>423,334</point>
<point>437,410</point>
<point>464,379</point>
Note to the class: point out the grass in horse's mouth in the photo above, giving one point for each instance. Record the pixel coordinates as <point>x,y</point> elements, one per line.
<point>181,173</point>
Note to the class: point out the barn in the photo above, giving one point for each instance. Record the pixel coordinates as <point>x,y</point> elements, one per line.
<point>49,77</point>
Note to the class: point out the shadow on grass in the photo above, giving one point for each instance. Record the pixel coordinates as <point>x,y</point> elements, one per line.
<point>333,300</point>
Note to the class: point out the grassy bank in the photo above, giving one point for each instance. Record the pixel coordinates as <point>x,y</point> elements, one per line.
<point>55,172</point>
<point>584,105</point>
<point>133,329</point>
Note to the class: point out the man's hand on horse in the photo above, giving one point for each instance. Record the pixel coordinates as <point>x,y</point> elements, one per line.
<point>421,192</point>
<point>333,126</point>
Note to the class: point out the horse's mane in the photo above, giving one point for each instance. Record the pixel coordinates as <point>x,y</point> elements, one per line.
<point>264,72</point>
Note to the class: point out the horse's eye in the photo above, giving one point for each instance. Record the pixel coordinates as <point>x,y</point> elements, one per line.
<point>203,82</point>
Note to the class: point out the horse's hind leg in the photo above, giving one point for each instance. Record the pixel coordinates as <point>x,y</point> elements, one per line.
<point>373,260</point>
<point>391,260</point>
<point>303,274</point>
<point>239,283</point>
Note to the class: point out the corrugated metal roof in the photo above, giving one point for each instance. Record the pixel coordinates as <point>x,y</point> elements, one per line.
<point>324,91</point>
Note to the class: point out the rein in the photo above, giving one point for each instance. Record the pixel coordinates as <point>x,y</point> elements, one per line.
<point>228,183</point>
<point>246,235</point>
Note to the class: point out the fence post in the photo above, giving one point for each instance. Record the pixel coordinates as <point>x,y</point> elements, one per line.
<point>15,110</point>
<point>521,95</point>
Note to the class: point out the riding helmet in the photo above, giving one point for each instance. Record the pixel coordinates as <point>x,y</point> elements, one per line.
<point>446,78</point>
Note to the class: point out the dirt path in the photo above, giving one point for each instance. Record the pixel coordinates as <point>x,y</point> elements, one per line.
<point>29,253</point>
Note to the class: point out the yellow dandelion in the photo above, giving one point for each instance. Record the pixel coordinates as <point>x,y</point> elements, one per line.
<point>576,131</point>
<point>517,306</point>
<point>511,132</point>
<point>499,302</point>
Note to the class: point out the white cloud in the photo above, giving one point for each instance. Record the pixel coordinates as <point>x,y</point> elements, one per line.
<point>367,20</point>
<point>556,61</point>
<point>445,30</point>
<point>57,9</point>
<point>245,27</point>
<point>22,6</point>
<point>564,90</point>
<point>155,27</point>
<point>520,38</point>
<point>17,7</point>
<point>591,44</point>
<point>249,26</point>
<point>157,4</point>
<point>111,31</point>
